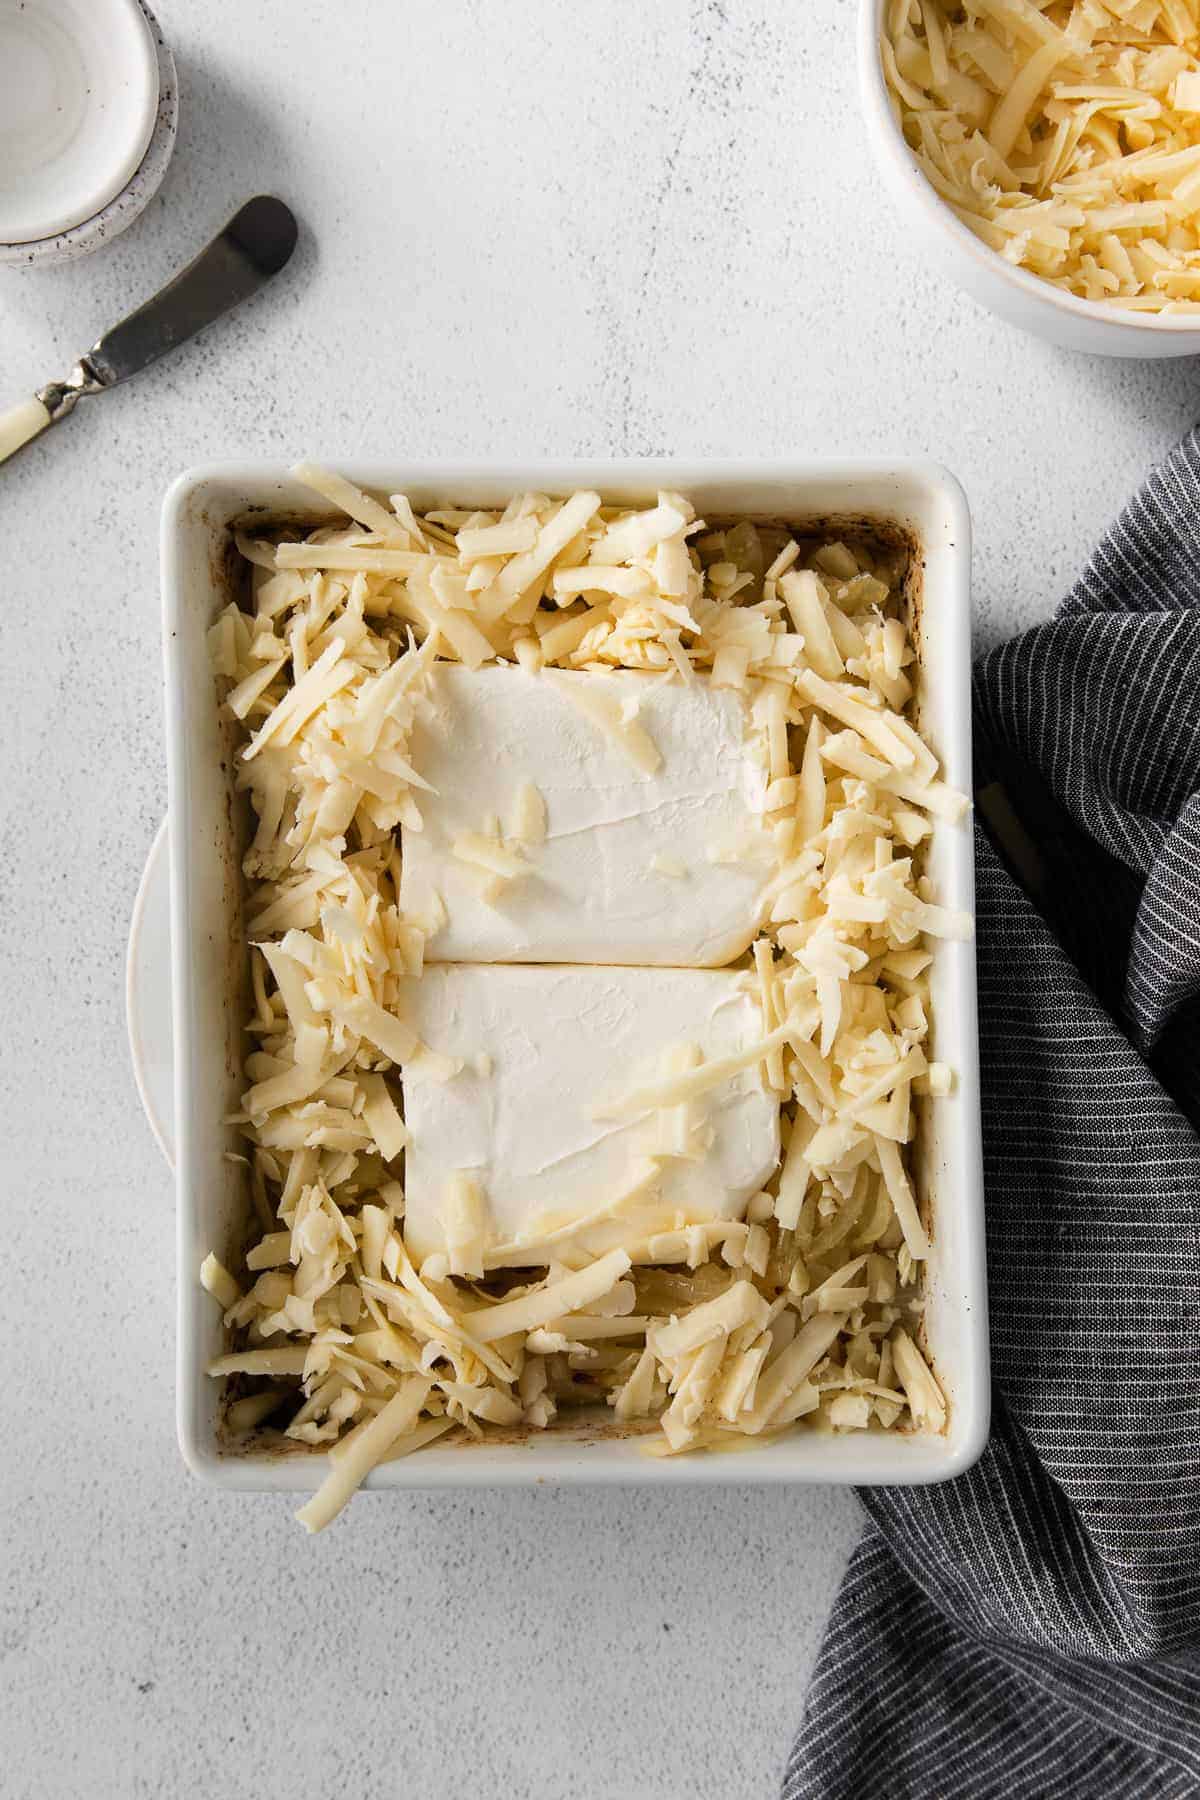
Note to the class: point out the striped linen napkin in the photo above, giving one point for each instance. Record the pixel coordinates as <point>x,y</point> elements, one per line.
<point>1031,1631</point>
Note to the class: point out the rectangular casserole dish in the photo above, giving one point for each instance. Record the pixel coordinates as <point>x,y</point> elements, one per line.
<point>917,503</point>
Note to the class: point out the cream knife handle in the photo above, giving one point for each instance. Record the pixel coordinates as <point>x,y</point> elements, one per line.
<point>20,423</point>
<point>50,404</point>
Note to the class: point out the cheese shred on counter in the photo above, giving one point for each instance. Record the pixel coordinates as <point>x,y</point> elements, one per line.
<point>807,1309</point>
<point>1065,135</point>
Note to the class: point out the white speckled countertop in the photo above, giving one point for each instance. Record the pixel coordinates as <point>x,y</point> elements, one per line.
<point>530,228</point>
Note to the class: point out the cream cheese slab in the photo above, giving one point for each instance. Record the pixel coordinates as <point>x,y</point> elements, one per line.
<point>544,1051</point>
<point>642,785</point>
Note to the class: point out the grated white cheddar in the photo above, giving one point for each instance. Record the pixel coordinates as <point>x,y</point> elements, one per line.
<point>1065,134</point>
<point>529,824</point>
<point>351,500</point>
<point>923,1393</point>
<point>682,1085</point>
<point>486,853</point>
<point>353,1459</point>
<point>571,1294</point>
<point>803,1311</point>
<point>670,866</point>
<point>631,739</point>
<point>216,1280</point>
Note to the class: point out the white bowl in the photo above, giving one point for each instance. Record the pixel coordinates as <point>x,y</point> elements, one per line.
<point>209,978</point>
<point>103,68</point>
<point>1015,294</point>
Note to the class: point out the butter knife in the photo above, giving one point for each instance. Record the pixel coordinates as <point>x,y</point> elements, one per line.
<point>255,245</point>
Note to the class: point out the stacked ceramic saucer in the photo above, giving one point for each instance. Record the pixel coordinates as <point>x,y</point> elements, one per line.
<point>88,113</point>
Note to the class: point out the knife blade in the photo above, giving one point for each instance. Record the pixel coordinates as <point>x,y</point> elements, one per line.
<point>253,247</point>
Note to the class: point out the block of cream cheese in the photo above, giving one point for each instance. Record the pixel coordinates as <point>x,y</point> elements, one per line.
<point>543,1051</point>
<point>625,872</point>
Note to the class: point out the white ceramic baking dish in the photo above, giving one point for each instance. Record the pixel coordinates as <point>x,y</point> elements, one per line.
<point>918,500</point>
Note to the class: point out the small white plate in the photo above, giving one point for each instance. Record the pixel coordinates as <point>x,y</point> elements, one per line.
<point>42,47</point>
<point>78,96</point>
<point>148,995</point>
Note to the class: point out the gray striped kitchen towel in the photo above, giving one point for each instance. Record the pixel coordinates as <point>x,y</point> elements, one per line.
<point>1031,1631</point>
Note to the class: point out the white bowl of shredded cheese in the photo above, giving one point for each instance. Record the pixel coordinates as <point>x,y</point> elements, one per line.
<point>1047,157</point>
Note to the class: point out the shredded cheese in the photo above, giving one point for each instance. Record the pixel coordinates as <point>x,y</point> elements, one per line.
<point>632,739</point>
<point>352,500</point>
<point>465,1225</point>
<point>357,1455</point>
<point>217,1281</point>
<point>922,1391</point>
<point>1065,134</point>
<point>486,853</point>
<point>571,1294</point>
<point>807,1310</point>
<point>529,823</point>
<point>688,1084</point>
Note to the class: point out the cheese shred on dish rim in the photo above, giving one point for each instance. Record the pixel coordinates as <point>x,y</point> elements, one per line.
<point>1065,135</point>
<point>725,1331</point>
